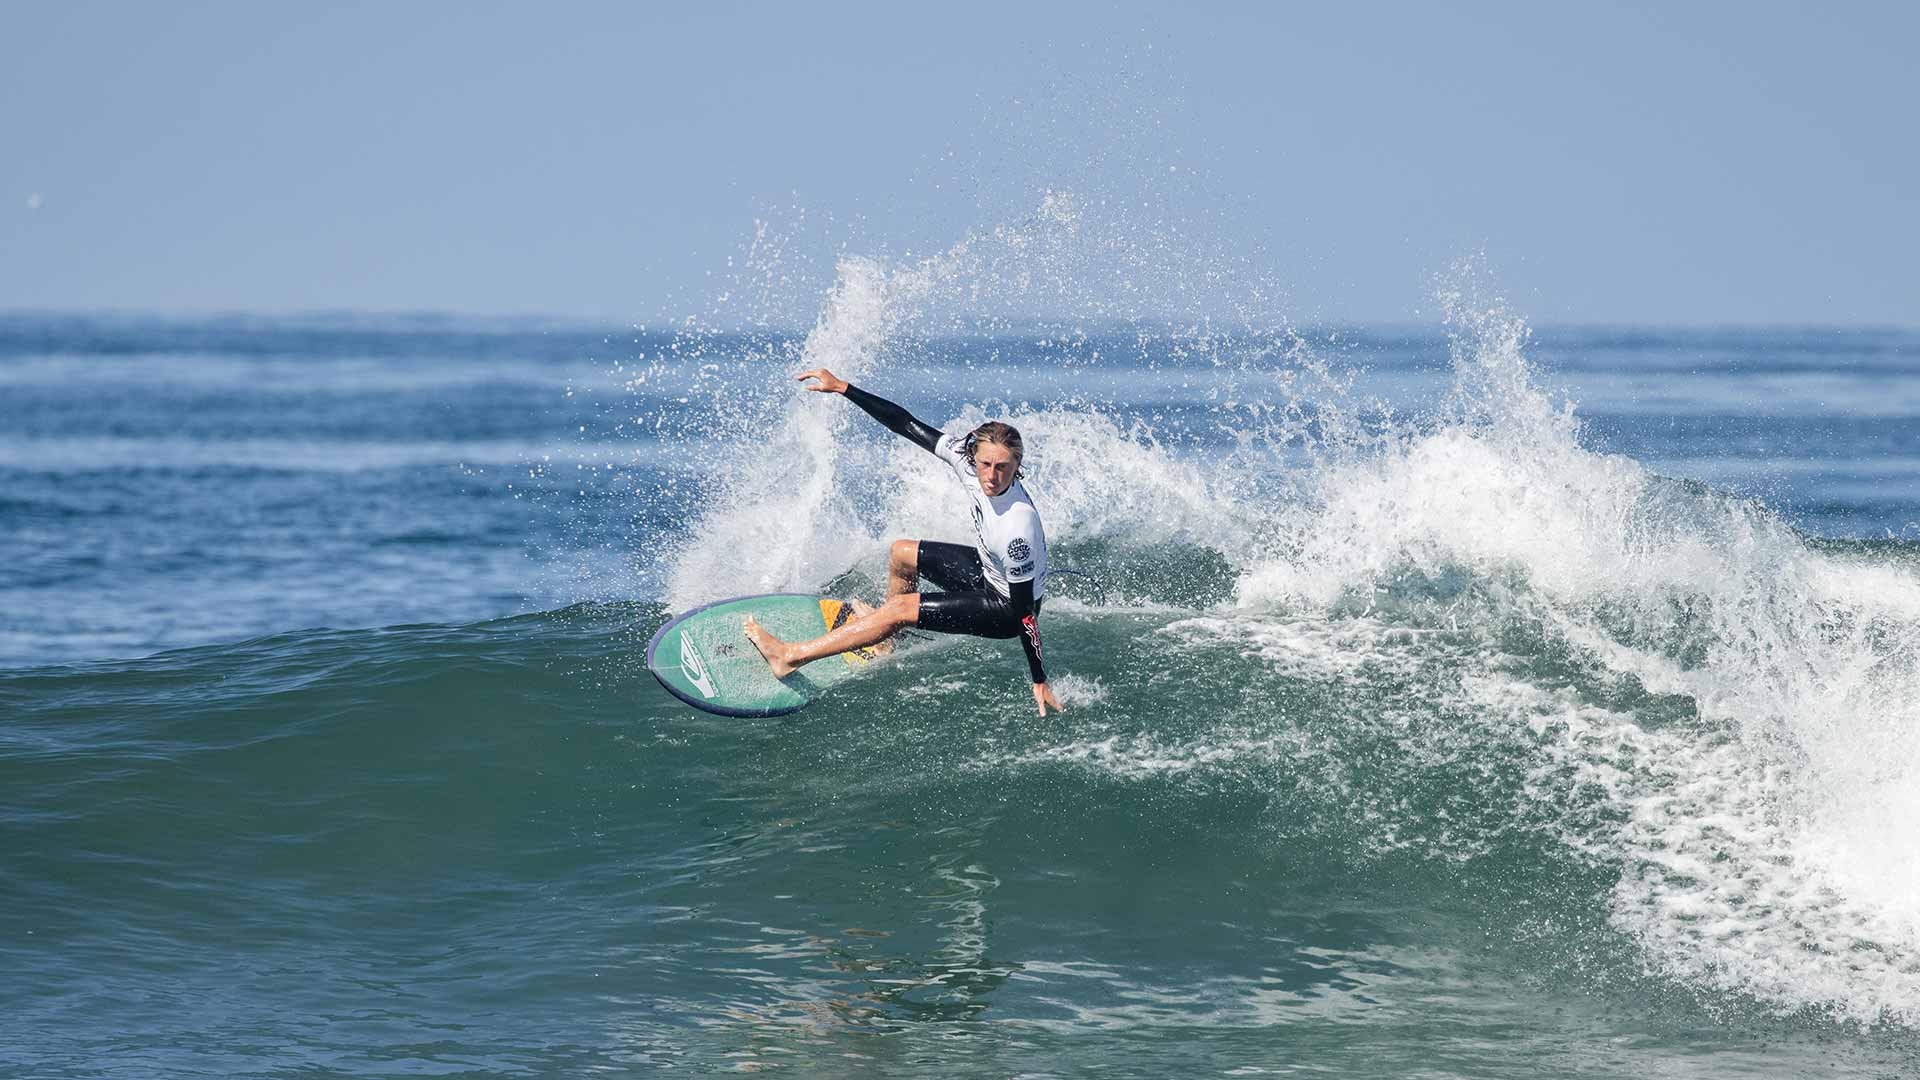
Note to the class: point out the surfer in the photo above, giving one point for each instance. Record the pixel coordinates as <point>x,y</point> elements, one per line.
<point>992,590</point>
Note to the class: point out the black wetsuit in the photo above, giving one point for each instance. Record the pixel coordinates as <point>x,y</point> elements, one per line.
<point>995,590</point>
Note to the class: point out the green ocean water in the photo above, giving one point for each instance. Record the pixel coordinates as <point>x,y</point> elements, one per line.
<point>1542,729</point>
<point>496,849</point>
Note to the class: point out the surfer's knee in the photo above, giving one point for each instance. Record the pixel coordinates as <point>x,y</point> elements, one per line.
<point>906,556</point>
<point>901,610</point>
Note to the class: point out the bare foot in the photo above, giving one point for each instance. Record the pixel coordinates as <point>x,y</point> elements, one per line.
<point>771,648</point>
<point>861,609</point>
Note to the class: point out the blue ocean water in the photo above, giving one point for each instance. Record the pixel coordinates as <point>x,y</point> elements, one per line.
<point>1451,700</point>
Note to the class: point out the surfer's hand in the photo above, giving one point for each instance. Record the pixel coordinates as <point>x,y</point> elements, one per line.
<point>1043,697</point>
<point>829,383</point>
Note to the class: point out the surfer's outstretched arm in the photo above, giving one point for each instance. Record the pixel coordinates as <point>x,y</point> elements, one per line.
<point>893,417</point>
<point>1021,593</point>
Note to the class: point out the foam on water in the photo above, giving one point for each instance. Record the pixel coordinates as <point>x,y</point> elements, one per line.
<point>1139,490</point>
<point>1771,851</point>
<point>1769,848</point>
<point>778,512</point>
<point>784,513</point>
<point>1715,886</point>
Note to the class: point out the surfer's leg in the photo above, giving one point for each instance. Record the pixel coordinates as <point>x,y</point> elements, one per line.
<point>903,567</point>
<point>953,567</point>
<point>785,657</point>
<point>979,613</point>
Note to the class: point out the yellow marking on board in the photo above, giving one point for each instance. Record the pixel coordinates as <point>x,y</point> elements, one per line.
<point>836,612</point>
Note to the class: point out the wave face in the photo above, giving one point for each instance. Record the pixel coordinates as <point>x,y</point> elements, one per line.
<point>1421,720</point>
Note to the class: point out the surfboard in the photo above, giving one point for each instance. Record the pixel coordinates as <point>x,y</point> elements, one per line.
<point>703,657</point>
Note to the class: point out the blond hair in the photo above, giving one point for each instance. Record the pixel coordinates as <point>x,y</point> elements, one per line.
<point>993,431</point>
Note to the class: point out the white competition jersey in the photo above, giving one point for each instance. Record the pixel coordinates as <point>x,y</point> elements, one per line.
<point>1006,527</point>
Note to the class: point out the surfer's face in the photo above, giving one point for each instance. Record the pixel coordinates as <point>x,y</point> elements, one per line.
<point>994,465</point>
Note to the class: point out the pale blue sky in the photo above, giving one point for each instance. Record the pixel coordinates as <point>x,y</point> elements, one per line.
<point>1627,163</point>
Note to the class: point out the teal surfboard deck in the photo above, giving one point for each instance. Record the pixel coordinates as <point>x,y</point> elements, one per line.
<point>704,658</point>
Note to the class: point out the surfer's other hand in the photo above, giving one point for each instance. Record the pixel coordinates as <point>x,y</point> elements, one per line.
<point>1043,697</point>
<point>829,383</point>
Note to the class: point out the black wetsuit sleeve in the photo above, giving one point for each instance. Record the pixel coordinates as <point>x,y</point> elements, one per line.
<point>896,419</point>
<point>1021,593</point>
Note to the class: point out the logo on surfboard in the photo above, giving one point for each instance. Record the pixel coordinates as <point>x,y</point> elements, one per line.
<point>694,668</point>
